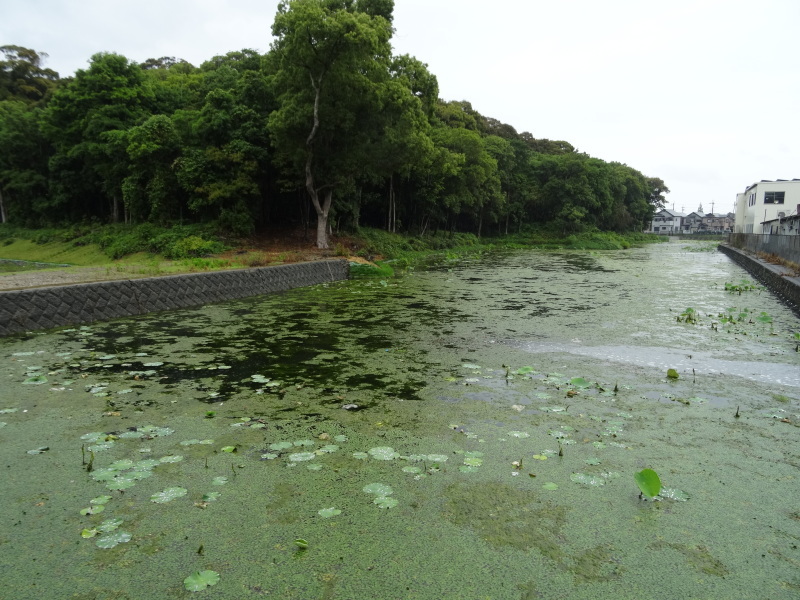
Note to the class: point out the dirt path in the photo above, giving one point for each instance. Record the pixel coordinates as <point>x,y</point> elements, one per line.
<point>67,276</point>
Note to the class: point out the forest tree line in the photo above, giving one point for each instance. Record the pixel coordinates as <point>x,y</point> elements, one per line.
<point>328,127</point>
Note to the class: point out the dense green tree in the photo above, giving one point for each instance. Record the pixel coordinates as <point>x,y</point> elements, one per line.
<point>23,164</point>
<point>22,76</point>
<point>334,58</point>
<point>82,121</point>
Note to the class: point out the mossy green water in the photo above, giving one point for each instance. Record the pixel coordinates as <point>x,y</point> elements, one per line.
<point>427,372</point>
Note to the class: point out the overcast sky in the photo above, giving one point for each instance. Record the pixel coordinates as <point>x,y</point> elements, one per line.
<point>704,94</point>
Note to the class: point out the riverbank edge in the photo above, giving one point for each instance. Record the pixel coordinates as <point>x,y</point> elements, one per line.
<point>48,307</point>
<point>777,278</point>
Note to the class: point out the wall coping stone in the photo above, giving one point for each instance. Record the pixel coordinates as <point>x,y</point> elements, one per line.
<point>83,303</point>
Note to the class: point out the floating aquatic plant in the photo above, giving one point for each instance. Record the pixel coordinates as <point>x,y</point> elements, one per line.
<point>379,489</point>
<point>360,455</point>
<point>550,486</point>
<point>305,443</point>
<point>200,580</point>
<point>221,480</point>
<point>278,446</point>
<point>327,513</point>
<point>314,467</point>
<point>229,449</point>
<point>413,470</point>
<point>119,483</point>
<point>674,494</point>
<point>39,450</point>
<point>579,382</point>
<point>329,448</point>
<point>437,458</point>
<point>383,453</point>
<point>585,479</point>
<point>109,525</point>
<point>672,374</point>
<point>168,495</point>
<point>649,482</point>
<point>340,438</point>
<point>171,459</point>
<point>211,496</point>
<point>519,434</point>
<point>385,502</point>
<point>301,456</point>
<point>36,380</point>
<point>113,539</point>
<point>524,371</point>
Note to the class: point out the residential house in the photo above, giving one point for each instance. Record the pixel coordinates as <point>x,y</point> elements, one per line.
<point>693,222</point>
<point>763,203</point>
<point>666,222</point>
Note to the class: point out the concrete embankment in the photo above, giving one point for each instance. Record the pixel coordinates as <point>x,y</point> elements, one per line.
<point>777,278</point>
<point>48,307</point>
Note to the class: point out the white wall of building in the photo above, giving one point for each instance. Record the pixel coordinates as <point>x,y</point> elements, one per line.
<point>763,201</point>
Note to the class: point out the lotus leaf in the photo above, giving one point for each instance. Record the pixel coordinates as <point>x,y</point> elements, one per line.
<point>88,533</point>
<point>228,449</point>
<point>329,448</point>
<point>278,446</point>
<point>302,456</point>
<point>152,431</point>
<point>219,480</point>
<point>592,461</point>
<point>131,435</point>
<point>201,580</point>
<point>109,525</point>
<point>585,479</point>
<point>121,465</point>
<point>519,434</point>
<point>211,496</point>
<point>113,539</point>
<point>93,510</point>
<point>119,483</point>
<point>674,494</point>
<point>314,467</point>
<point>146,464</point>
<point>413,470</point>
<point>327,513</point>
<point>550,486</point>
<point>524,371</point>
<point>360,455</point>
<point>467,469</point>
<point>579,382</point>
<point>385,502</point>
<point>39,450</point>
<point>93,437</point>
<point>304,443</point>
<point>470,366</point>
<point>36,380</point>
<point>171,459</point>
<point>379,489</point>
<point>100,500</point>
<point>383,453</point>
<point>101,446</point>
<point>473,462</point>
<point>649,482</point>
<point>340,438</point>
<point>437,458</point>
<point>269,456</point>
<point>168,495</point>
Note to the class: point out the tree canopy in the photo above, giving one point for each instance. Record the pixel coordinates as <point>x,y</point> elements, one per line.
<point>328,123</point>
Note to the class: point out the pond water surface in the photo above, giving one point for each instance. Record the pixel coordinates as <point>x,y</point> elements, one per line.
<point>469,431</point>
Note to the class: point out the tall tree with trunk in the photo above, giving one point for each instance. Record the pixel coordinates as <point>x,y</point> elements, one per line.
<point>334,59</point>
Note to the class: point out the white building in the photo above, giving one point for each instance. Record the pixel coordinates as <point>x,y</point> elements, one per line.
<point>765,202</point>
<point>667,222</point>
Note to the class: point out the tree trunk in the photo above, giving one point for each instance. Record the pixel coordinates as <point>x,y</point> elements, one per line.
<point>115,209</point>
<point>3,218</point>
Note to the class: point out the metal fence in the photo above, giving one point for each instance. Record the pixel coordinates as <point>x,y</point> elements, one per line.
<point>786,247</point>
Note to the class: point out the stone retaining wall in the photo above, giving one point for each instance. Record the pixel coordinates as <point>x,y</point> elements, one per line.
<point>44,308</point>
<point>775,277</point>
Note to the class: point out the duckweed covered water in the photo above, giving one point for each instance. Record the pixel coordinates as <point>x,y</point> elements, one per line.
<point>471,431</point>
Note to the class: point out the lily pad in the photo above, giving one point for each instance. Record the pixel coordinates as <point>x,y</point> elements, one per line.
<point>119,483</point>
<point>585,479</point>
<point>304,443</point>
<point>519,434</point>
<point>383,453</point>
<point>113,539</point>
<point>37,380</point>
<point>100,500</point>
<point>414,470</point>
<point>168,495</point>
<point>200,580</point>
<point>109,525</point>
<point>219,480</point>
<point>171,459</point>
<point>301,456</point>
<point>327,513</point>
<point>360,455</point>
<point>674,494</point>
<point>550,486</point>
<point>579,382</point>
<point>379,489</point>
<point>524,371</point>
<point>385,502</point>
<point>473,462</point>
<point>278,446</point>
<point>649,482</point>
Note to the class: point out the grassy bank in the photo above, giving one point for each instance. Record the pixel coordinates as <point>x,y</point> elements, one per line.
<point>155,250</point>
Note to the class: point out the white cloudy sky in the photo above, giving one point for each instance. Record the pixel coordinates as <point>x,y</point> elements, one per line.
<point>702,93</point>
